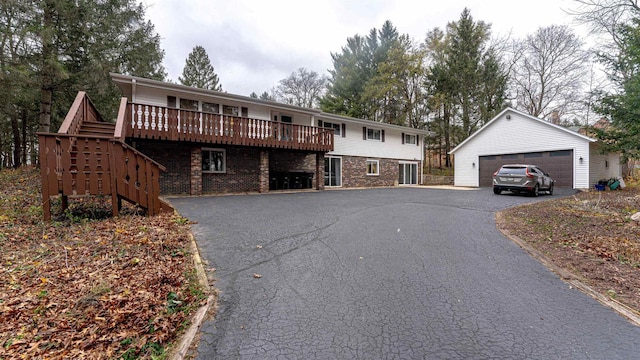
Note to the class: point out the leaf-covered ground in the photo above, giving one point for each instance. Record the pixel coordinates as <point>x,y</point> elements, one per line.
<point>590,234</point>
<point>87,285</point>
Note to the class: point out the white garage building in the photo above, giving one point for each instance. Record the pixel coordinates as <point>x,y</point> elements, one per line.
<point>513,137</point>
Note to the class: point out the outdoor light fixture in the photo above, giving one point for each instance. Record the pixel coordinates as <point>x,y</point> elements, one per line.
<point>580,159</point>
<point>473,164</point>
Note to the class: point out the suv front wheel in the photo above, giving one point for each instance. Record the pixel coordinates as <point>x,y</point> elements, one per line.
<point>497,191</point>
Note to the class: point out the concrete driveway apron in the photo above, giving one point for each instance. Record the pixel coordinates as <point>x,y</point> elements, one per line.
<point>402,273</point>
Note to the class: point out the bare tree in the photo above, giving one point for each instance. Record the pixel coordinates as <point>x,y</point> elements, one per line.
<point>302,88</point>
<point>609,17</point>
<point>550,72</point>
<point>606,16</point>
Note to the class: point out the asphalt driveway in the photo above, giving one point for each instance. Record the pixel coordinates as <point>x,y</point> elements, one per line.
<point>401,273</point>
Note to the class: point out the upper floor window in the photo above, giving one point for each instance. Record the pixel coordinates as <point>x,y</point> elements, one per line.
<point>171,101</point>
<point>230,110</point>
<point>409,139</point>
<point>336,127</point>
<point>188,104</point>
<point>374,134</point>
<point>210,108</point>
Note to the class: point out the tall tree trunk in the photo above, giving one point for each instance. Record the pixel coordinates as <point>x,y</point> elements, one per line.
<point>447,135</point>
<point>23,116</point>
<point>48,56</point>
<point>17,146</point>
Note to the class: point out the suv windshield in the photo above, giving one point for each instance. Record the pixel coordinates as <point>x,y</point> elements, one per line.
<point>513,170</point>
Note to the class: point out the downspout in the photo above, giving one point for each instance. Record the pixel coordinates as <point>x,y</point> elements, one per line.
<point>133,90</point>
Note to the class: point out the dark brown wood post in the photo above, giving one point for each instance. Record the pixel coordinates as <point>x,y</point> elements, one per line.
<point>115,199</point>
<point>44,177</point>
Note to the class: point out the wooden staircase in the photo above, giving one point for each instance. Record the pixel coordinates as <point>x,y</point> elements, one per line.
<point>97,129</point>
<point>87,157</point>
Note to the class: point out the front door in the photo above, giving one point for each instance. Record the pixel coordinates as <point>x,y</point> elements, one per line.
<point>332,171</point>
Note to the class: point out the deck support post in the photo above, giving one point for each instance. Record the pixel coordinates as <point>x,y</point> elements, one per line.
<point>264,171</point>
<point>196,171</point>
<point>319,171</point>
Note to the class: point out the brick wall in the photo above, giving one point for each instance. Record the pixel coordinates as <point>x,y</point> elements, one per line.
<point>176,158</point>
<point>354,172</point>
<point>242,175</point>
<point>282,161</point>
<point>184,174</point>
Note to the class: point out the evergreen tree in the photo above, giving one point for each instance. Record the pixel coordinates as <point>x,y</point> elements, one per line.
<point>622,105</point>
<point>266,96</point>
<point>355,68</point>
<point>53,48</point>
<point>198,71</point>
<point>466,81</point>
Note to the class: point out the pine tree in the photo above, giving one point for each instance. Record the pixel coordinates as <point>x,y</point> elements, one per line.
<point>198,71</point>
<point>53,48</point>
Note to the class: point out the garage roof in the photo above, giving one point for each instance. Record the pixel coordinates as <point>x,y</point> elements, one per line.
<point>526,116</point>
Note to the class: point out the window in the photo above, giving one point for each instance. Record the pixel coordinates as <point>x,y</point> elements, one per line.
<point>214,160</point>
<point>230,110</point>
<point>286,119</point>
<point>210,108</point>
<point>336,127</point>
<point>373,134</point>
<point>373,167</point>
<point>189,104</point>
<point>409,139</point>
<point>171,101</point>
<point>532,155</point>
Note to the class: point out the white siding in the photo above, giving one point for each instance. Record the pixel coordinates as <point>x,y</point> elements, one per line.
<point>598,165</point>
<point>518,135</point>
<point>392,147</point>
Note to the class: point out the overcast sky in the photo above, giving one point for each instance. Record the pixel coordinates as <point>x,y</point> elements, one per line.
<point>254,44</point>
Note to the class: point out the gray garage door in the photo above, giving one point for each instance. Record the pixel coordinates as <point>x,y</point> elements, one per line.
<point>559,164</point>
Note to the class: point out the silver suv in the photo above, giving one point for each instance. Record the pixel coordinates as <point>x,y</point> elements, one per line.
<point>518,178</point>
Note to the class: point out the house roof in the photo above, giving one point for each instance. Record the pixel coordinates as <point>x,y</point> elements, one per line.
<point>120,79</point>
<point>551,126</point>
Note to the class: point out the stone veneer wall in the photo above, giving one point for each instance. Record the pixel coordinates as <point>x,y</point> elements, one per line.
<point>354,172</point>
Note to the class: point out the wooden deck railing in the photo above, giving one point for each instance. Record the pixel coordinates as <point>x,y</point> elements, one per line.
<point>81,164</point>
<point>162,123</point>
<point>93,165</point>
<point>82,110</point>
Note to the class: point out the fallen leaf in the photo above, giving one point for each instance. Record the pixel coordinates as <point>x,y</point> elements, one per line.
<point>257,276</point>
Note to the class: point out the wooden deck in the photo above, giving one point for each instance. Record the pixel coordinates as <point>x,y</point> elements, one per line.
<point>161,123</point>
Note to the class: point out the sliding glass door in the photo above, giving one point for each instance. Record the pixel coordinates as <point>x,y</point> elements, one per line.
<point>408,174</point>
<point>332,171</point>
